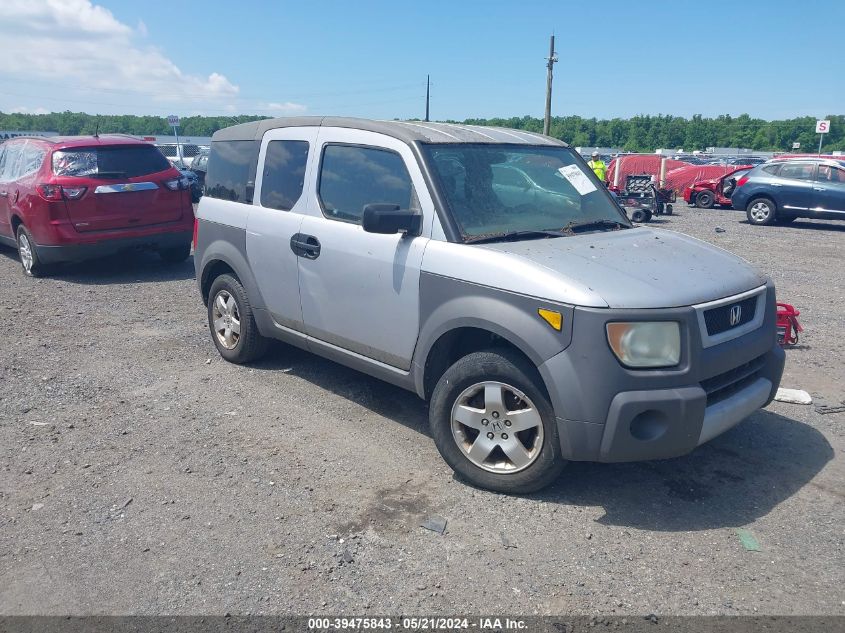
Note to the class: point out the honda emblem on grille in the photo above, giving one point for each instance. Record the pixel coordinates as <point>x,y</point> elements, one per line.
<point>736,314</point>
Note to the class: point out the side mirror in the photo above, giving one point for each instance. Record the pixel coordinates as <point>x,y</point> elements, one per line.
<point>389,219</point>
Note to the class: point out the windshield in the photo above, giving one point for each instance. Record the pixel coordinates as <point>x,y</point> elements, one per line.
<point>494,189</point>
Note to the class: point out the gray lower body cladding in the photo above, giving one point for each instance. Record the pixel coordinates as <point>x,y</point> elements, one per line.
<point>609,413</point>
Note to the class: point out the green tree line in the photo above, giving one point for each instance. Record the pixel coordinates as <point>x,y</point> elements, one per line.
<point>643,133</point>
<point>74,123</point>
<point>646,133</point>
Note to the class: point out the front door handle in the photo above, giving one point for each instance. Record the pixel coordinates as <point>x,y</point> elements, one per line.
<point>5,194</point>
<point>306,246</point>
<point>819,189</point>
<point>776,184</point>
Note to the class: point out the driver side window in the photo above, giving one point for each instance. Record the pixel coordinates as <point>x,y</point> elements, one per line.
<point>353,176</point>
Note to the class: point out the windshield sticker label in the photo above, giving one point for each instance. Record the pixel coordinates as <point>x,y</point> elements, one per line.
<point>577,179</point>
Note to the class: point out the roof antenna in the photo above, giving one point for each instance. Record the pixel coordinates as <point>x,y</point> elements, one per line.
<point>97,128</point>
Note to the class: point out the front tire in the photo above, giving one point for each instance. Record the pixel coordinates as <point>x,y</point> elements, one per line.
<point>493,424</point>
<point>760,212</point>
<point>32,266</point>
<point>639,216</point>
<point>232,322</point>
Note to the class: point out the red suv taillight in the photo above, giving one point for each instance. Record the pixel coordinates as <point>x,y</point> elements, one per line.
<point>177,184</point>
<point>54,193</point>
<point>742,181</point>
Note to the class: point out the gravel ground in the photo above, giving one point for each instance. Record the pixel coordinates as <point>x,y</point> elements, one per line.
<point>142,474</point>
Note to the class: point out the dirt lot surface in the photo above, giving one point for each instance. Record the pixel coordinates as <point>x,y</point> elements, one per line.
<point>142,474</point>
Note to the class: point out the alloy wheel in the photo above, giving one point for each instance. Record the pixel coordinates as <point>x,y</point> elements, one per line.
<point>25,250</point>
<point>497,427</point>
<point>226,318</point>
<point>760,211</point>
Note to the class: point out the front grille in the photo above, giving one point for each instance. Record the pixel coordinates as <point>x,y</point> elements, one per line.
<point>718,320</point>
<point>734,380</point>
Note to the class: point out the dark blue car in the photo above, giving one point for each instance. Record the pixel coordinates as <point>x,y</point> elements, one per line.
<point>782,190</point>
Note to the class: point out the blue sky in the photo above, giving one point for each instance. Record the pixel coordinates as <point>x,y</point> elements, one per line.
<point>772,59</point>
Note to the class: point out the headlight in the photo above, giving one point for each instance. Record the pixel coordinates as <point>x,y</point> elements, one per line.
<point>646,344</point>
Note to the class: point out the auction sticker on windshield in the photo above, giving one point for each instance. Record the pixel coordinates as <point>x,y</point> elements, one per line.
<point>577,179</point>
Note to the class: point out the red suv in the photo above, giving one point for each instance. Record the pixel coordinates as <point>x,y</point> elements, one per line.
<point>78,197</point>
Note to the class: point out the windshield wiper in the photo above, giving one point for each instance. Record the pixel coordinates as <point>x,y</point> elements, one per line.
<point>513,235</point>
<point>573,226</point>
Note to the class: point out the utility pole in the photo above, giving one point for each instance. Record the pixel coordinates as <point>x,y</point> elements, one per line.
<point>427,93</point>
<point>552,58</point>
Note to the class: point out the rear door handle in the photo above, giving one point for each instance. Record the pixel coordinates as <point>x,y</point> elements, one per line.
<point>5,194</point>
<point>776,184</point>
<point>819,189</point>
<point>306,246</point>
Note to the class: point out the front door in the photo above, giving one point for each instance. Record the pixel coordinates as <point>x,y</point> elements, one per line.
<point>359,290</point>
<point>284,162</point>
<point>830,189</point>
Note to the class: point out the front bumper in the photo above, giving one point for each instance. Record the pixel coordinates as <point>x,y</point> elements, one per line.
<point>608,413</point>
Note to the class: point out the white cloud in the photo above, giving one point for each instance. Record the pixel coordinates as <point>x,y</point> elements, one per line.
<point>287,107</point>
<point>142,28</point>
<point>77,43</point>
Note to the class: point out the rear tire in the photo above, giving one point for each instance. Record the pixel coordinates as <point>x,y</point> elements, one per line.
<point>639,216</point>
<point>761,212</point>
<point>705,200</point>
<point>32,266</point>
<point>176,254</point>
<point>669,209</point>
<point>493,424</point>
<point>231,322</point>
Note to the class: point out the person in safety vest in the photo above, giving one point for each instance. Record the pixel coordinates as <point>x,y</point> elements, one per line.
<point>598,166</point>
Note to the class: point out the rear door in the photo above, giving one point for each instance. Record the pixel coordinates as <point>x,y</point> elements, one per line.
<point>125,186</point>
<point>793,188</point>
<point>8,153</point>
<point>830,189</point>
<point>285,161</point>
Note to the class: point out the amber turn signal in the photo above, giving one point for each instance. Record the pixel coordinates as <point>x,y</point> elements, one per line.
<point>555,319</point>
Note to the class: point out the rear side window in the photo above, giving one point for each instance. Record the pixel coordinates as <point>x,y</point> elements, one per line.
<point>283,176</point>
<point>352,177</point>
<point>231,169</point>
<point>111,161</point>
<point>31,159</point>
<point>798,171</point>
<point>11,158</point>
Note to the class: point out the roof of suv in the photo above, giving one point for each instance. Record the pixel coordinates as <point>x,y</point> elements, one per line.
<point>407,131</point>
<point>86,141</point>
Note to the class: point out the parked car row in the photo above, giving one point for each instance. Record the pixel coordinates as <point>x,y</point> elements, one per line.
<point>783,190</point>
<point>779,190</point>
